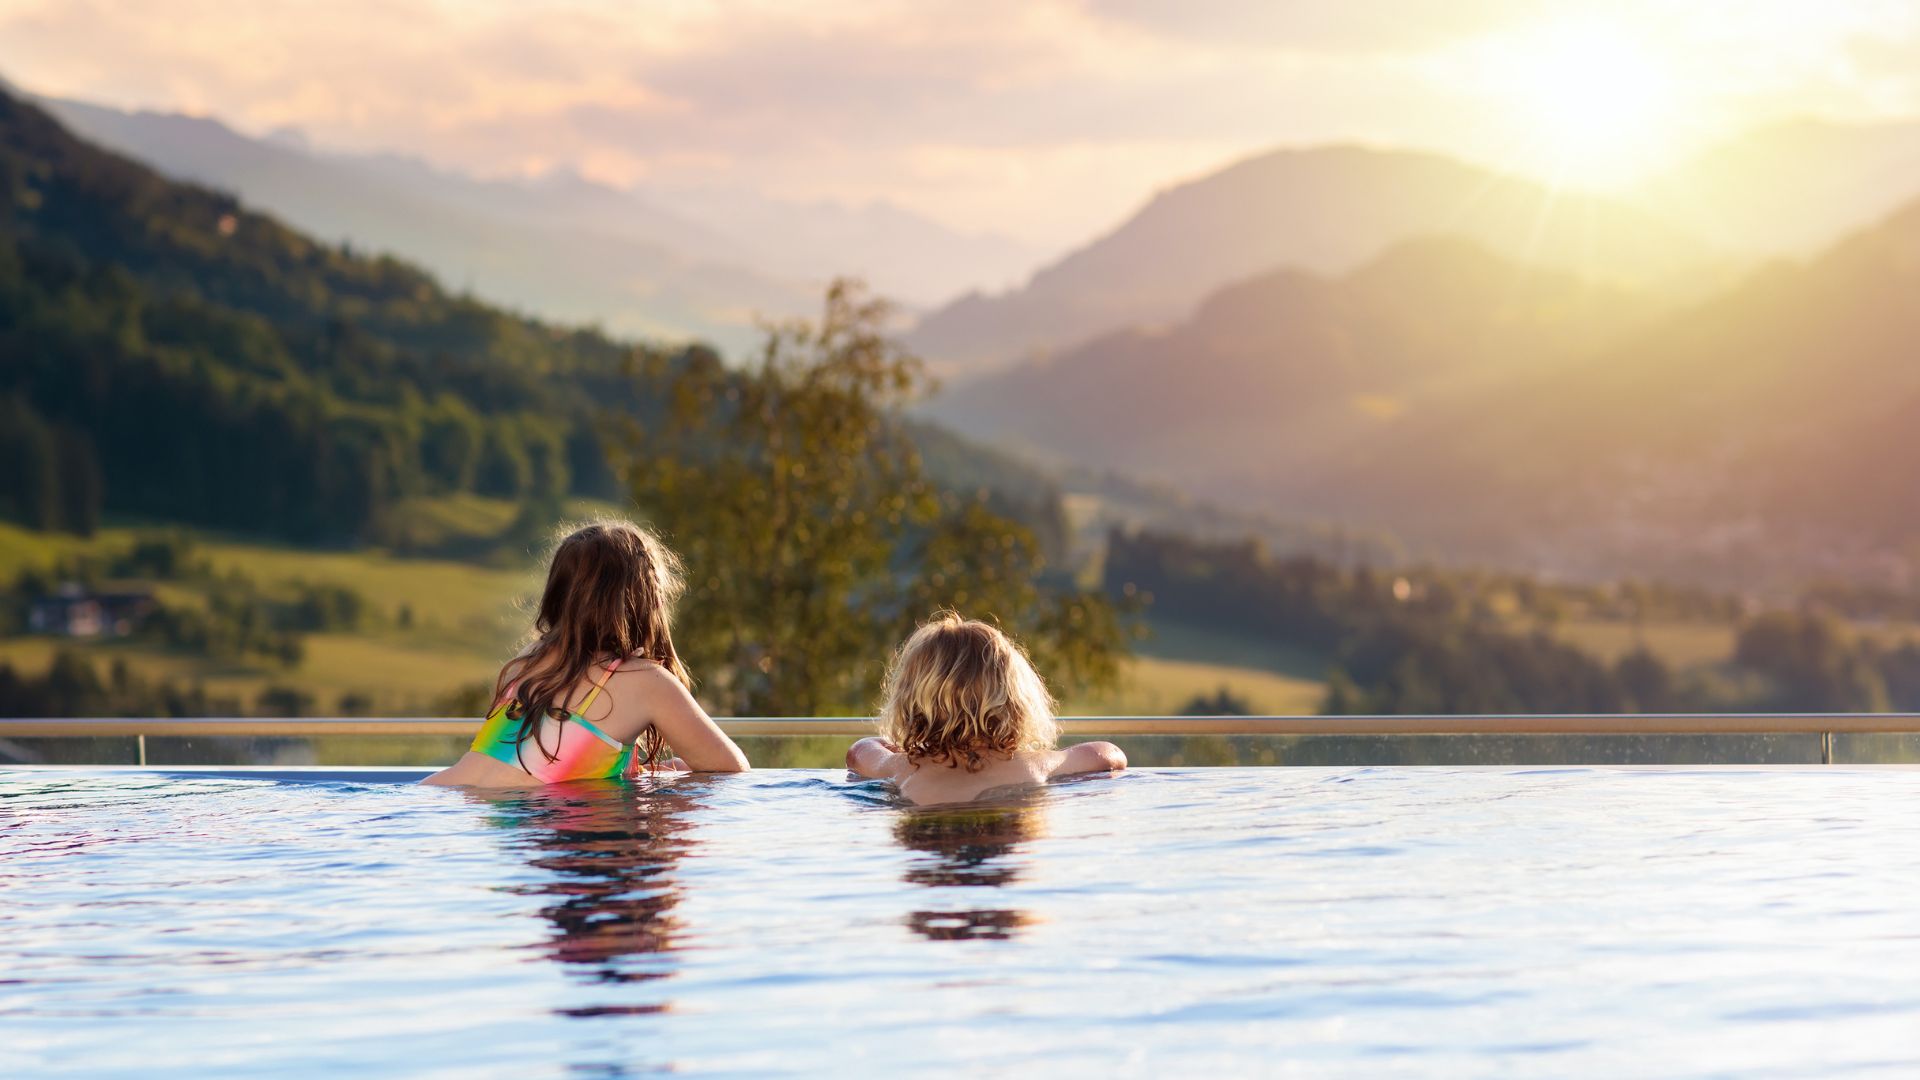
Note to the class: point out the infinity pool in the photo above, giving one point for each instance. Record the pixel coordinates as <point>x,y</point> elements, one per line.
<point>1359,922</point>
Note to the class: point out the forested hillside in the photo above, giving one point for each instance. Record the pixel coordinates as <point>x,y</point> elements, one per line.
<point>170,353</point>
<point>167,352</point>
<point>1427,640</point>
<point>565,248</point>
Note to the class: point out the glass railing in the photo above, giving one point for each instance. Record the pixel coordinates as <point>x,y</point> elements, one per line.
<point>820,742</point>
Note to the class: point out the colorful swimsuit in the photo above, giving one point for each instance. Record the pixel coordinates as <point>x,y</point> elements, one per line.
<point>584,752</point>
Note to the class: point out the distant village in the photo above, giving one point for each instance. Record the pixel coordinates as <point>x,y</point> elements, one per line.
<point>75,611</point>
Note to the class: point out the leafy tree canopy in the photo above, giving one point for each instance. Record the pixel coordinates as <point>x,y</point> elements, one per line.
<point>813,537</point>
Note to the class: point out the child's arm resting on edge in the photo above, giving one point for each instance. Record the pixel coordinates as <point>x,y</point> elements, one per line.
<point>1092,757</point>
<point>874,758</point>
<point>698,742</point>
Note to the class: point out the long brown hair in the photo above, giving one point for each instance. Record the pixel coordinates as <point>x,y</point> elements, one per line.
<point>611,587</point>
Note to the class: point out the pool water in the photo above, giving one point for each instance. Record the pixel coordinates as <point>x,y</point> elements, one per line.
<point>1362,922</point>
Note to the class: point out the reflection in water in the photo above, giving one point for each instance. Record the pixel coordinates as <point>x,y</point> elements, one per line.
<point>969,847</point>
<point>608,853</point>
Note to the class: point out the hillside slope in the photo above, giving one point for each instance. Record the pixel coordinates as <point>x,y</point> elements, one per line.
<point>167,352</point>
<point>1793,188</point>
<point>1323,210</point>
<point>1473,408</point>
<point>677,263</point>
<point>1769,431</point>
<point>566,248</point>
<point>1290,373</point>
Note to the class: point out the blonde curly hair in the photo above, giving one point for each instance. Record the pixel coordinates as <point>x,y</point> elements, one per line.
<point>960,690</point>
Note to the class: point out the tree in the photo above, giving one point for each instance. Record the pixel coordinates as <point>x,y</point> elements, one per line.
<point>504,468</point>
<point>80,484</point>
<point>29,457</point>
<point>1344,697</point>
<point>1222,702</point>
<point>72,687</point>
<point>975,561</point>
<point>1811,663</point>
<point>450,445</point>
<point>812,537</point>
<point>284,701</point>
<point>1646,679</point>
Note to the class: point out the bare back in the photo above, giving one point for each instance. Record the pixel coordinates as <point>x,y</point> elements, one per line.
<point>641,695</point>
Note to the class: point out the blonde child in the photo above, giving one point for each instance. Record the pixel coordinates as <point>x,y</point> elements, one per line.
<point>966,714</point>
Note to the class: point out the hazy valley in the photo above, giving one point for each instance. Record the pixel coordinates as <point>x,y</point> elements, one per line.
<point>1357,357</point>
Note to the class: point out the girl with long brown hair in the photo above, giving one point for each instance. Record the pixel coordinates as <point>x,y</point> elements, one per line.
<point>600,692</point>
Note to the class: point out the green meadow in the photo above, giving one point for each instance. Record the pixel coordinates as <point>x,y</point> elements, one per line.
<point>1176,663</point>
<point>437,627</point>
<point>433,626</point>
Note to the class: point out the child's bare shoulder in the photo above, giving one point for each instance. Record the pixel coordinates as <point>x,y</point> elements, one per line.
<point>649,674</point>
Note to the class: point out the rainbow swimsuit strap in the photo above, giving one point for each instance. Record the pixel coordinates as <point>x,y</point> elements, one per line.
<point>584,752</point>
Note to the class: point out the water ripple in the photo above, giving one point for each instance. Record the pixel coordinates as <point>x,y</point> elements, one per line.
<point>1354,922</point>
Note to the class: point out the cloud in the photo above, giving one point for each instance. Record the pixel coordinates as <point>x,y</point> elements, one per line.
<point>1050,118</point>
<point>1366,26</point>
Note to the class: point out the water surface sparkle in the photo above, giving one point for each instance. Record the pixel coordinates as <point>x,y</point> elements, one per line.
<point>1333,921</point>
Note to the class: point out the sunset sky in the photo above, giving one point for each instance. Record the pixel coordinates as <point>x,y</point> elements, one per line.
<point>1044,118</point>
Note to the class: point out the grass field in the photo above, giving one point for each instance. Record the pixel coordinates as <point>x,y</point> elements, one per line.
<point>1177,663</point>
<point>1680,644</point>
<point>436,626</point>
<point>1158,687</point>
<point>1199,645</point>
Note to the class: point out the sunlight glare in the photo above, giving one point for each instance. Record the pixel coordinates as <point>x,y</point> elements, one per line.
<point>1598,102</point>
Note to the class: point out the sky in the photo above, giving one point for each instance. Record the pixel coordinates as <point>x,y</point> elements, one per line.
<point>1044,119</point>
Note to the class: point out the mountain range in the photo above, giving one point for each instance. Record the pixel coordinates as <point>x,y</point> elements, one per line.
<point>1494,411</point>
<point>1779,414</point>
<point>168,352</point>
<point>1391,340</point>
<point>706,262</point>
<point>1785,190</point>
<point>1325,210</point>
<point>565,247</point>
<point>909,258</point>
<point>1294,367</point>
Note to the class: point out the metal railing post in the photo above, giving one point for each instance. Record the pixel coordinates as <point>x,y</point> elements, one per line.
<point>1826,748</point>
<point>141,741</point>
